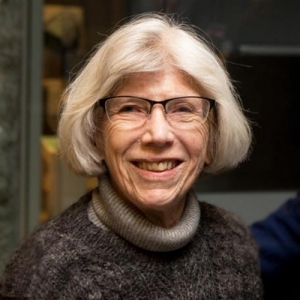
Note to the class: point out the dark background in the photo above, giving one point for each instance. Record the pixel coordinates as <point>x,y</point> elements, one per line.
<point>260,43</point>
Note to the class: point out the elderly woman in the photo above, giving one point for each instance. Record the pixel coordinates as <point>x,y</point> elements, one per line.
<point>151,111</point>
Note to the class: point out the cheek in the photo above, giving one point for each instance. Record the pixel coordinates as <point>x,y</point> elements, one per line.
<point>117,139</point>
<point>110,138</point>
<point>204,137</point>
<point>200,138</point>
<point>197,145</point>
<point>104,138</point>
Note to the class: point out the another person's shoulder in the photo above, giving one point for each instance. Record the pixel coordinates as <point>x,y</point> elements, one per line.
<point>278,238</point>
<point>286,216</point>
<point>278,235</point>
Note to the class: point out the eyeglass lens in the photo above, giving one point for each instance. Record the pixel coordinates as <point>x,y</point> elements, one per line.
<point>178,110</point>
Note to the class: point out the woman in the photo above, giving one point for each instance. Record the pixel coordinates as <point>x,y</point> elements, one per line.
<point>151,111</point>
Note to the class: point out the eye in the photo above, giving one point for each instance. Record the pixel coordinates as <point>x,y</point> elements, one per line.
<point>182,108</point>
<point>131,108</point>
<point>128,109</point>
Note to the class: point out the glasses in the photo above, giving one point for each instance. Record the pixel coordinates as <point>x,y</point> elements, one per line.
<point>179,111</point>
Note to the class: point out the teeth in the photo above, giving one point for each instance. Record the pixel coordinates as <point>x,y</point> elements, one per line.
<point>157,166</point>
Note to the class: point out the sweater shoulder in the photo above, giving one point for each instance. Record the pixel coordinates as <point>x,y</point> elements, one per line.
<point>218,216</point>
<point>70,222</point>
<point>49,245</point>
<point>224,223</point>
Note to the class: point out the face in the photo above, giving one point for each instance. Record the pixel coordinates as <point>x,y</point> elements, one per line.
<point>153,166</point>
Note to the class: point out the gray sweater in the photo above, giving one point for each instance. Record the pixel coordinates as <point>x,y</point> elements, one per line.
<point>78,255</point>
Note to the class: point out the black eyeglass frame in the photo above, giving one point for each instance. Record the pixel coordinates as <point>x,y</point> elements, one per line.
<point>101,102</point>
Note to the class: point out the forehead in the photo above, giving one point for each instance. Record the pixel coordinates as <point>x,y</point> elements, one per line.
<point>159,84</point>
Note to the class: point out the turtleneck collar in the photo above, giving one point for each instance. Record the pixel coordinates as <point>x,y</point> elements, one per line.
<point>127,221</point>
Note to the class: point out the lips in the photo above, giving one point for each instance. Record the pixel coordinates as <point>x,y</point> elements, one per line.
<point>160,166</point>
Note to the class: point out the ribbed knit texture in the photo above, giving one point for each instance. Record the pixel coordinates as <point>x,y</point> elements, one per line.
<point>125,220</point>
<point>72,258</point>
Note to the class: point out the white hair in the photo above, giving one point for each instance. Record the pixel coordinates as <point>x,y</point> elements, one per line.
<point>150,43</point>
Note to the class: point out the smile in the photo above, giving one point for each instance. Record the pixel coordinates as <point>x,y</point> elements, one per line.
<point>157,166</point>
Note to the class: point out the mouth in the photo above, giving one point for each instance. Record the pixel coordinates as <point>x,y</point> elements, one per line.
<point>159,166</point>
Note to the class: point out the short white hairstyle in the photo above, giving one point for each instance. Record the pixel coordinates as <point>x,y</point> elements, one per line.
<point>149,43</point>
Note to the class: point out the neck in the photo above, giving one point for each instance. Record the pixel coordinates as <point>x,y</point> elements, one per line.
<point>125,220</point>
<point>166,218</point>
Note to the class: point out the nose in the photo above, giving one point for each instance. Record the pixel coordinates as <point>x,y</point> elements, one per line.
<point>158,131</point>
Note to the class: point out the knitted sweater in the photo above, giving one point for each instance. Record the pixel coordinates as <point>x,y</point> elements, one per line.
<point>77,256</point>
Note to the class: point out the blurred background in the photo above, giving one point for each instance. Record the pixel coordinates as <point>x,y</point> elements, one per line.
<point>44,43</point>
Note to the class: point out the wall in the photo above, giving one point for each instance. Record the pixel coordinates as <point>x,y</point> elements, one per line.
<point>20,120</point>
<point>11,35</point>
